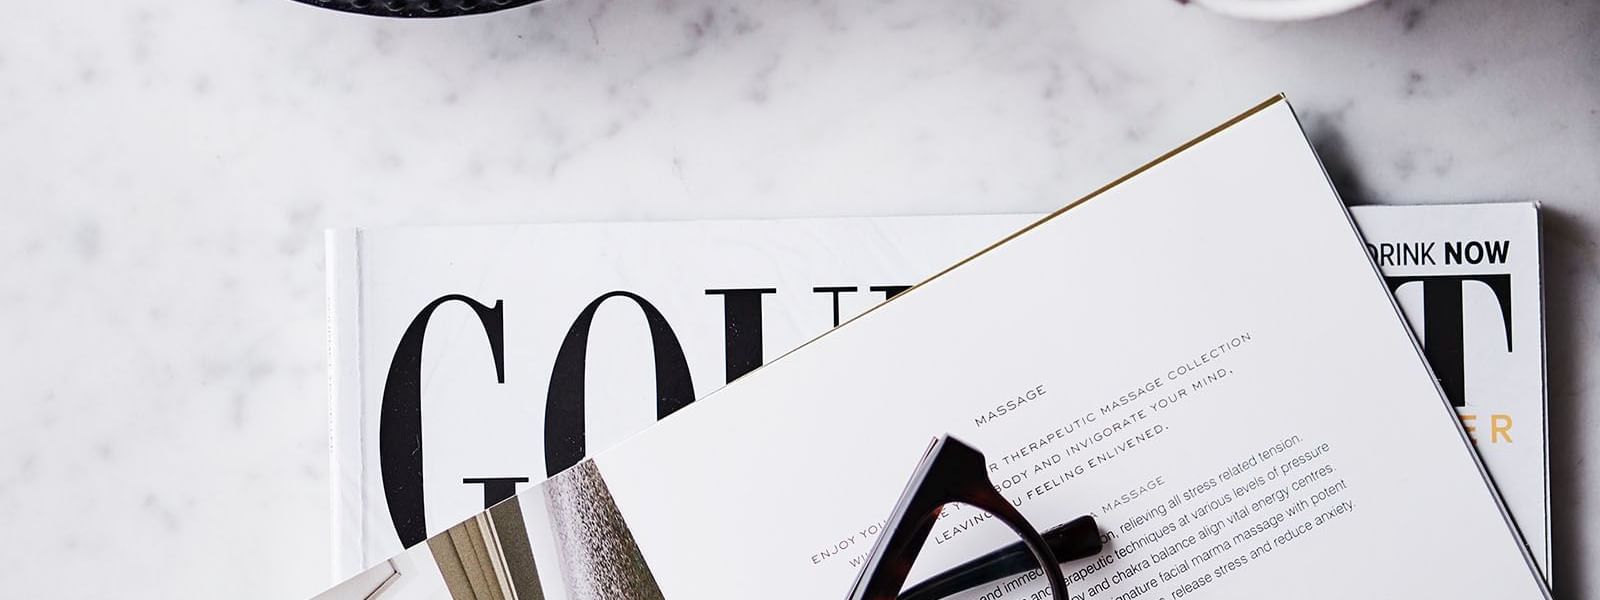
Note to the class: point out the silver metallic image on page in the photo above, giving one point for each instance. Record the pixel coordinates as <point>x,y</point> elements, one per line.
<point>599,558</point>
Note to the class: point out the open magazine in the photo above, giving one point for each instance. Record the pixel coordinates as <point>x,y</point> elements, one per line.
<point>1175,355</point>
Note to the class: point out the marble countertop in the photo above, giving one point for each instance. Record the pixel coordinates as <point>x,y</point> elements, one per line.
<point>166,168</point>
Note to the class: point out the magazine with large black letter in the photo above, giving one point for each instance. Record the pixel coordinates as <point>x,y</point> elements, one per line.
<point>467,362</point>
<point>1200,355</point>
<point>1469,278</point>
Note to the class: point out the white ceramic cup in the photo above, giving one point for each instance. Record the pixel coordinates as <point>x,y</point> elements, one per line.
<point>1280,10</point>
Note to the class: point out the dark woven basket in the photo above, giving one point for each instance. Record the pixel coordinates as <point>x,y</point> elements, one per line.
<point>424,9</point>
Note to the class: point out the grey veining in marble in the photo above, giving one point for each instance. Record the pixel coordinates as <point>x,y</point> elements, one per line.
<point>166,167</point>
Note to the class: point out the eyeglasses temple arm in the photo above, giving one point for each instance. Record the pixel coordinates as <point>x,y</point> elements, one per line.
<point>1074,540</point>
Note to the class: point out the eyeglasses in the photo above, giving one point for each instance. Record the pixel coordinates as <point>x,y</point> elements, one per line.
<point>951,472</point>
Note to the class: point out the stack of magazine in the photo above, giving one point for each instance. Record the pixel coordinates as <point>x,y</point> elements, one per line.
<point>1255,390</point>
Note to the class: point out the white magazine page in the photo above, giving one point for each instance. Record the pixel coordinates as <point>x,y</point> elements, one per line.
<point>1196,276</point>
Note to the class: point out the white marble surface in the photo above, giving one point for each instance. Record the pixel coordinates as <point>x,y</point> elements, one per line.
<point>166,167</point>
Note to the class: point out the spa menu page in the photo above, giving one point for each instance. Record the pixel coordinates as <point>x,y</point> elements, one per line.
<point>1200,355</point>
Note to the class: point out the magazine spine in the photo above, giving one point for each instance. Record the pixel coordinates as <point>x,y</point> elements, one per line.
<point>345,463</point>
<point>1544,398</point>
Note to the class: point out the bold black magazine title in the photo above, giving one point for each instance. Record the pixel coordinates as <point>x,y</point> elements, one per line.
<point>1444,318</point>
<point>400,444</point>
